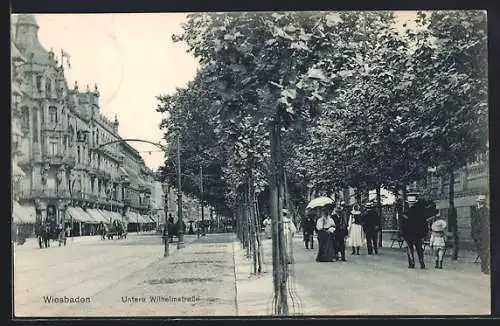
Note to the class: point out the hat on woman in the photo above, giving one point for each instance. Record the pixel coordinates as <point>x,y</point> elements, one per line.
<point>355,212</point>
<point>438,226</point>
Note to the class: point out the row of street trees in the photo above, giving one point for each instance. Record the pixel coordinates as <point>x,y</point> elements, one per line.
<point>330,100</point>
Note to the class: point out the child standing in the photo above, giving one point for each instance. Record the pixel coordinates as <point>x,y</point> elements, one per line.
<point>438,240</point>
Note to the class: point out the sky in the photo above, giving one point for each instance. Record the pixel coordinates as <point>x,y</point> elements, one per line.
<point>132,59</point>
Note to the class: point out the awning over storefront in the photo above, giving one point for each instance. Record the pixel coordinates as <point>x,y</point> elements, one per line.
<point>132,217</point>
<point>118,216</point>
<point>16,170</point>
<point>84,215</point>
<point>106,215</point>
<point>96,216</point>
<point>23,214</point>
<point>77,215</point>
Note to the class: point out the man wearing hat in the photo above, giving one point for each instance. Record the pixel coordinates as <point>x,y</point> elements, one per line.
<point>371,225</point>
<point>414,230</point>
<point>481,232</point>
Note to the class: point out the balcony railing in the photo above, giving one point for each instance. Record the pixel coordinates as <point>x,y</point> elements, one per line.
<point>59,159</point>
<point>44,193</point>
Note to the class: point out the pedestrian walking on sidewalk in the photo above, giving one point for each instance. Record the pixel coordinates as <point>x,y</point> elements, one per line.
<point>325,227</point>
<point>355,236</point>
<point>289,230</point>
<point>414,230</point>
<point>308,226</point>
<point>438,240</point>
<point>267,227</point>
<point>481,232</point>
<point>371,226</point>
<point>339,234</point>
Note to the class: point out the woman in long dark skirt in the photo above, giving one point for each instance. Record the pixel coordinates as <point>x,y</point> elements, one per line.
<point>325,226</point>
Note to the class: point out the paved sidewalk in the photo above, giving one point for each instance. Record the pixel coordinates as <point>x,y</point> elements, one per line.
<point>255,292</point>
<point>197,280</point>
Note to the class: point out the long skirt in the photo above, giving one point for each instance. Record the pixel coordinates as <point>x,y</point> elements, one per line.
<point>326,250</point>
<point>356,237</point>
<point>268,231</point>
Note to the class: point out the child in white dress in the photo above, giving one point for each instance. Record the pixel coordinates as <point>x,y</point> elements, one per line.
<point>438,240</point>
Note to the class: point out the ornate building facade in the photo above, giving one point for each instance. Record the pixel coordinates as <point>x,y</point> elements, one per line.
<point>74,168</point>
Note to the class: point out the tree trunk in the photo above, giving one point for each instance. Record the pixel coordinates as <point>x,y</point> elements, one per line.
<point>379,208</point>
<point>273,204</point>
<point>452,214</point>
<point>255,225</point>
<point>404,195</point>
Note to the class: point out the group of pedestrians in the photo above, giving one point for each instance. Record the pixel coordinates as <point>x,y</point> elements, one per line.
<point>340,228</point>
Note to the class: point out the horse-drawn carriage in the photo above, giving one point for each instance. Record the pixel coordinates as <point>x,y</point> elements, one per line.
<point>49,230</point>
<point>115,229</point>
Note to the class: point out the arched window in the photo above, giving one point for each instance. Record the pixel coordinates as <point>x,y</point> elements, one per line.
<point>35,125</point>
<point>53,114</point>
<point>25,111</point>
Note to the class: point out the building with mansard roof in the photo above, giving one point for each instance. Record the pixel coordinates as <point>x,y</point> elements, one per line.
<point>63,171</point>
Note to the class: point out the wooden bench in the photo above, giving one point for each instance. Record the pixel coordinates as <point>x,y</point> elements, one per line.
<point>395,237</point>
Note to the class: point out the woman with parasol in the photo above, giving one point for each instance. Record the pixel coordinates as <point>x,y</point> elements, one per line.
<point>325,227</point>
<point>438,240</point>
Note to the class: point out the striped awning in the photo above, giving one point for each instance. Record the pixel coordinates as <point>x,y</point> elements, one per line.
<point>23,214</point>
<point>96,216</point>
<point>16,170</point>
<point>107,215</point>
<point>79,215</point>
<point>84,215</point>
<point>133,217</point>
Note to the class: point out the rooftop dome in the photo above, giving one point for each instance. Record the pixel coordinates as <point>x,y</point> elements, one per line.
<point>26,19</point>
<point>26,39</point>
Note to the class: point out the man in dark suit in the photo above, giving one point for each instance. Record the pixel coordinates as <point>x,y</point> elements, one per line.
<point>414,230</point>
<point>341,219</point>
<point>371,226</point>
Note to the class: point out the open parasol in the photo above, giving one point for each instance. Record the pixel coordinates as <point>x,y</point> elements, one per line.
<point>320,202</point>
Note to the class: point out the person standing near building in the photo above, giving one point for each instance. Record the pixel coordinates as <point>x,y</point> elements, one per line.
<point>371,226</point>
<point>481,232</point>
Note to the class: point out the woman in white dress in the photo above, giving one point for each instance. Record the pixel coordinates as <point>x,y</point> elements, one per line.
<point>438,240</point>
<point>289,230</point>
<point>267,227</point>
<point>355,235</point>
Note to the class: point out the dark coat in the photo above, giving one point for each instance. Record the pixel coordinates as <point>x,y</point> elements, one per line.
<point>480,220</point>
<point>341,224</point>
<point>371,221</point>
<point>308,225</point>
<point>414,223</point>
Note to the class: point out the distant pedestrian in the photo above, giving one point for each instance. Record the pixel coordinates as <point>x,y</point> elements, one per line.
<point>289,231</point>
<point>481,232</point>
<point>267,227</point>
<point>308,226</point>
<point>325,227</point>
<point>438,240</point>
<point>371,225</point>
<point>355,236</point>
